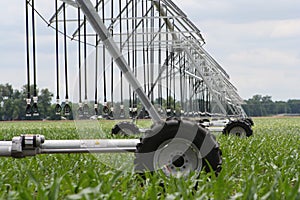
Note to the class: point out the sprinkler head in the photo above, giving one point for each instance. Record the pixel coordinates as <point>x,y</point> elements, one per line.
<point>80,111</point>
<point>28,110</point>
<point>67,109</point>
<point>35,110</point>
<point>96,111</point>
<point>58,109</point>
<point>85,109</point>
<point>105,110</point>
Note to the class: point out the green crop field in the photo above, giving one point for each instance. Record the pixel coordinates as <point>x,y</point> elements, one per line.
<point>264,166</point>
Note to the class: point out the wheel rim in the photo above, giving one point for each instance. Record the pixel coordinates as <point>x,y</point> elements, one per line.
<point>238,131</point>
<point>177,157</point>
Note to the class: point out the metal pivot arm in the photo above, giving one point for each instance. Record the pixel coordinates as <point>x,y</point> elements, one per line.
<point>97,24</point>
<point>31,145</point>
<point>167,21</point>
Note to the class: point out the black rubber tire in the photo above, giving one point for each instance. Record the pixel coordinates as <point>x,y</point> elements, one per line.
<point>125,128</point>
<point>181,129</point>
<point>249,121</point>
<point>231,126</point>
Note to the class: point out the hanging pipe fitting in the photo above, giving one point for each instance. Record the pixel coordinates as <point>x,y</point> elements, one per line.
<point>96,109</point>
<point>35,110</point>
<point>67,108</point>
<point>105,108</point>
<point>80,110</point>
<point>58,107</point>
<point>111,113</point>
<point>122,111</point>
<point>28,108</point>
<point>86,108</point>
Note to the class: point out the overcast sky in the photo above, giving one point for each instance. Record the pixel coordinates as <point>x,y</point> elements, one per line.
<point>257,42</point>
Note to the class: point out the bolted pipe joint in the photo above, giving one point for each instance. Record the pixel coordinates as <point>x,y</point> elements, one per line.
<point>26,145</point>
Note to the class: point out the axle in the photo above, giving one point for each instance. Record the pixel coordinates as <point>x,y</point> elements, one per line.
<point>31,145</point>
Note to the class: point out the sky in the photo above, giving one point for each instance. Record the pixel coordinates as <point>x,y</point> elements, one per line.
<point>257,42</point>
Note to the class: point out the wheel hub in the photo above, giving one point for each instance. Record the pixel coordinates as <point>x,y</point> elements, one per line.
<point>178,161</point>
<point>177,157</point>
<point>238,131</point>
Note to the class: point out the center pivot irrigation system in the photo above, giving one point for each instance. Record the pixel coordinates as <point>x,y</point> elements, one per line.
<point>170,77</point>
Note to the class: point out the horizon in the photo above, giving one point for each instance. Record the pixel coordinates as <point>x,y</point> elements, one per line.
<point>91,100</point>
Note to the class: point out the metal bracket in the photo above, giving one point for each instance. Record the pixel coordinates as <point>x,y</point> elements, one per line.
<point>26,145</point>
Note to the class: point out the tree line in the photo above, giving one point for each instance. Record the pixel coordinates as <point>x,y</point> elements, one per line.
<point>13,104</point>
<point>260,105</point>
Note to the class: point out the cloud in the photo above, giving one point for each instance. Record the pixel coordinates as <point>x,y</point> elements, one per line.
<point>266,58</point>
<point>11,12</point>
<point>263,30</point>
<point>240,10</point>
<point>265,71</point>
<point>261,57</point>
<point>278,83</point>
<point>267,42</point>
<point>286,28</point>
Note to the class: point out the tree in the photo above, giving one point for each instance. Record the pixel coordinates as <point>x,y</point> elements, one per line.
<point>268,105</point>
<point>7,105</point>
<point>259,105</point>
<point>294,106</point>
<point>44,103</point>
<point>253,106</point>
<point>6,91</point>
<point>19,105</point>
